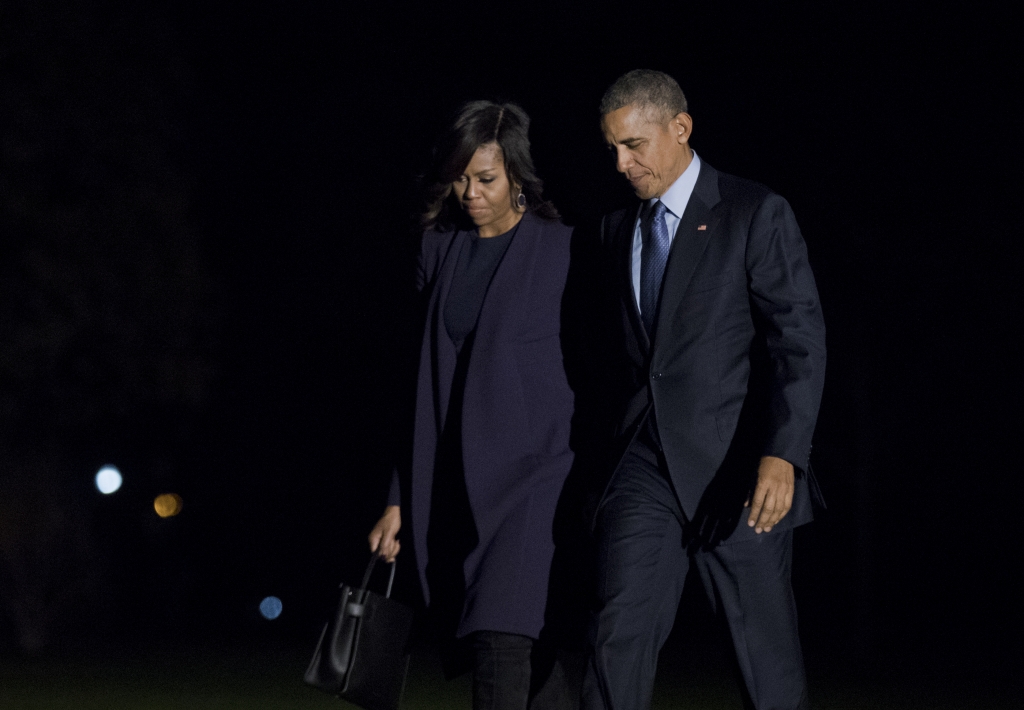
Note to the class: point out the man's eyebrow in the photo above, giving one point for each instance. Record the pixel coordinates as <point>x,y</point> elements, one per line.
<point>624,141</point>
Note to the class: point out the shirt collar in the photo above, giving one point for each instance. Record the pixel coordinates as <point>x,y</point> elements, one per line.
<point>678,193</point>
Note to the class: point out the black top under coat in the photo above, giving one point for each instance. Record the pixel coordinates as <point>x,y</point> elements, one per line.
<point>477,263</point>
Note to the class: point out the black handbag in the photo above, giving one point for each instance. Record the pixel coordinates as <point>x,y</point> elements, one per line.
<point>361,656</point>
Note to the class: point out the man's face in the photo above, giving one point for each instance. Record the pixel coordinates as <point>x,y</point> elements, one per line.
<point>649,151</point>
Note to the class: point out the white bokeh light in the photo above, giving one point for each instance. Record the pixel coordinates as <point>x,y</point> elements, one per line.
<point>108,480</point>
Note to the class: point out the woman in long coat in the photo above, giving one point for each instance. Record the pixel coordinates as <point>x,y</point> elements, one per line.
<point>490,450</point>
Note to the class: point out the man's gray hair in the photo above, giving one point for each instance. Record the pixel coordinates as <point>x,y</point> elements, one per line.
<point>647,89</point>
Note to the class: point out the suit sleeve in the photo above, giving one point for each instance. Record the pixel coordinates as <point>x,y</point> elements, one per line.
<point>394,490</point>
<point>426,262</point>
<point>786,306</point>
<point>428,258</point>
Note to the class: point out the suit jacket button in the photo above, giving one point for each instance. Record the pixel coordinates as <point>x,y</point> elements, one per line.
<point>656,376</point>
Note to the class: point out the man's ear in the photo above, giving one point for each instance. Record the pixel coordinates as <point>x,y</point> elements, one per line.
<point>681,126</point>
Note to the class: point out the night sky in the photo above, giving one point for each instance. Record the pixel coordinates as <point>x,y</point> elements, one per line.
<point>206,240</point>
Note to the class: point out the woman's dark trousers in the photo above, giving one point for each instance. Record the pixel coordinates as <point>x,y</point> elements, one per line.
<point>512,672</point>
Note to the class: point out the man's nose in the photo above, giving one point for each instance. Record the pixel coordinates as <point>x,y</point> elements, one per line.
<point>622,159</point>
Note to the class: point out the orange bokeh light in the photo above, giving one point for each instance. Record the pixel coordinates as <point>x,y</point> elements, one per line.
<point>167,505</point>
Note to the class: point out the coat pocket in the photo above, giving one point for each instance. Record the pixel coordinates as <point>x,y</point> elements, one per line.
<point>546,393</point>
<point>707,283</point>
<point>727,422</point>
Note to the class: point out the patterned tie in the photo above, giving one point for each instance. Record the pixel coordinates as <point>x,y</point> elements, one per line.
<point>652,264</point>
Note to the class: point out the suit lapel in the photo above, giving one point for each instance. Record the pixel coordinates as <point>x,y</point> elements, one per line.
<point>696,228</point>
<point>444,351</point>
<point>624,276</point>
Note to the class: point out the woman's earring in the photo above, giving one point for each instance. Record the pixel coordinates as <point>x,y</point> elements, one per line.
<point>521,200</point>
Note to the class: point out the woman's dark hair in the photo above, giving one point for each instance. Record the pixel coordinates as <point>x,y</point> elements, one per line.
<point>478,123</point>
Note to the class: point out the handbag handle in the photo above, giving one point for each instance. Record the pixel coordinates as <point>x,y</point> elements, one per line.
<point>357,607</point>
<point>369,570</point>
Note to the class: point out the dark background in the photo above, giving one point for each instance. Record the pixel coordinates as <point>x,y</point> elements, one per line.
<point>205,278</point>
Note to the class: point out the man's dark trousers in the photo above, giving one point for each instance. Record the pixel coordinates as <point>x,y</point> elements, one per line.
<point>645,550</point>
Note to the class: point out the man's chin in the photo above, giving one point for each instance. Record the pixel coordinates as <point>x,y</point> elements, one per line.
<point>642,190</point>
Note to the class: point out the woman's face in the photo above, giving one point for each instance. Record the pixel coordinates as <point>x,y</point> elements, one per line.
<point>484,192</point>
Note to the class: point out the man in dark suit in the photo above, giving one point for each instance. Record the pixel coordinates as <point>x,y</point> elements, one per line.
<point>716,372</point>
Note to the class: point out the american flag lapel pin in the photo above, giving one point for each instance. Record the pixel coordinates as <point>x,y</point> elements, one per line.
<point>702,228</point>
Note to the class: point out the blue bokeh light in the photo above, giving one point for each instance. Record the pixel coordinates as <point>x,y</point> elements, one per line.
<point>271,607</point>
<point>108,480</point>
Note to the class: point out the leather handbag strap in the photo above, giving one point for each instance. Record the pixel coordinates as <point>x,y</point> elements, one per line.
<point>369,570</point>
<point>356,607</point>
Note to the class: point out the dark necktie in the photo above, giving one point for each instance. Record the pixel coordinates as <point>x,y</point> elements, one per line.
<point>652,263</point>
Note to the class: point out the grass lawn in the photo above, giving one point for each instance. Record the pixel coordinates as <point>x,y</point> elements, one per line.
<point>208,680</point>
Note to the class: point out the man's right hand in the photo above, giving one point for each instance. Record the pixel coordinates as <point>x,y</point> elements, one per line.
<point>384,536</point>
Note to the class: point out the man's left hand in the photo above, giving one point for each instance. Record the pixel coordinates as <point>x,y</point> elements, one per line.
<point>773,496</point>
